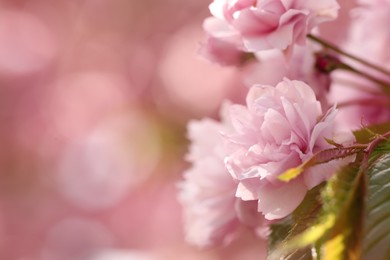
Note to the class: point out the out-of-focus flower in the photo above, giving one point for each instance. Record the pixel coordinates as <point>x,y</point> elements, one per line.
<point>222,52</point>
<point>96,171</point>
<point>273,67</point>
<point>342,23</point>
<point>375,14</point>
<point>82,100</point>
<point>112,254</point>
<point>187,78</point>
<point>76,238</point>
<point>212,213</point>
<point>279,128</point>
<point>27,45</point>
<point>363,101</point>
<point>260,25</point>
<point>207,193</point>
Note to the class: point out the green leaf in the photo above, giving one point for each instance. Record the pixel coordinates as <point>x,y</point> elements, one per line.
<point>377,228</point>
<point>346,194</point>
<point>304,216</point>
<point>279,232</point>
<point>381,149</point>
<point>334,248</point>
<point>366,134</point>
<point>338,231</point>
<point>354,220</point>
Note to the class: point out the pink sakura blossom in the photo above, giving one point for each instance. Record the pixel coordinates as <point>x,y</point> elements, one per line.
<point>179,67</point>
<point>221,52</point>
<point>212,213</point>
<point>342,23</point>
<point>364,104</point>
<point>267,24</point>
<point>279,128</point>
<point>19,55</point>
<point>272,67</point>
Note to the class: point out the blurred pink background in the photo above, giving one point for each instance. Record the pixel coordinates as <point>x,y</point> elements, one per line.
<point>94,99</point>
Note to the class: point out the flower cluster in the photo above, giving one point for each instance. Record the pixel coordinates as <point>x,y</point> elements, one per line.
<point>215,214</point>
<point>296,117</point>
<point>279,128</point>
<point>261,25</point>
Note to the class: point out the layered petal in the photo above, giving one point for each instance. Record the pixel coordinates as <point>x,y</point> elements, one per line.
<point>284,126</point>
<point>269,24</point>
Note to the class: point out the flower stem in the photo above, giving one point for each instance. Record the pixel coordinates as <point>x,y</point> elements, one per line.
<point>327,63</point>
<point>371,146</point>
<point>385,85</point>
<point>365,102</point>
<point>346,54</point>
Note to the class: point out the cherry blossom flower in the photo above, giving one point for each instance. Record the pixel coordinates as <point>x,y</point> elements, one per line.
<point>279,128</point>
<point>18,54</point>
<point>221,52</point>
<point>259,25</point>
<point>212,213</point>
<point>364,104</point>
<point>272,67</point>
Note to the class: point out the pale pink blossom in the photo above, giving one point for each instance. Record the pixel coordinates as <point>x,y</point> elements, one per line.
<point>27,44</point>
<point>221,52</point>
<point>374,2</point>
<point>364,102</point>
<point>212,213</point>
<point>76,238</point>
<point>179,66</point>
<point>343,23</point>
<point>279,128</point>
<point>259,25</point>
<point>272,67</point>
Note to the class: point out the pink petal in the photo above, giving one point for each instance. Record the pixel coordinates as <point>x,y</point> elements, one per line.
<point>278,202</point>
